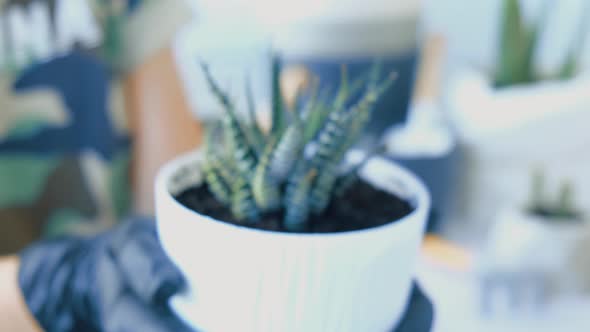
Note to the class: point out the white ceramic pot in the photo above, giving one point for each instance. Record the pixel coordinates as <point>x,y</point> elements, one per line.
<point>345,33</point>
<point>508,133</point>
<point>522,242</point>
<point>248,280</point>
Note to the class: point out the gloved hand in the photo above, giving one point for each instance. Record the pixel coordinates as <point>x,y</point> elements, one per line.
<point>118,281</point>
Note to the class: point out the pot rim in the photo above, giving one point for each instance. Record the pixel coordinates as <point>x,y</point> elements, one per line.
<point>420,200</point>
<point>487,80</point>
<point>555,223</point>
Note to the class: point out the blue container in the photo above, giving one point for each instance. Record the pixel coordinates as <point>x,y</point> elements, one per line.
<point>393,106</point>
<point>441,176</point>
<point>323,47</point>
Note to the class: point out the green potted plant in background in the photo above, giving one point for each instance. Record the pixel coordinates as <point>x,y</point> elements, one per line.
<point>541,237</point>
<point>285,230</point>
<point>519,114</point>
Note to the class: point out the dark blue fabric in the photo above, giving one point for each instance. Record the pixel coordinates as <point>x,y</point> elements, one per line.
<point>118,281</point>
<point>82,82</point>
<point>419,314</point>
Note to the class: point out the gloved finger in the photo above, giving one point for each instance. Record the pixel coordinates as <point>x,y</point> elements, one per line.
<point>419,314</point>
<point>130,314</point>
<point>144,265</point>
<point>45,272</point>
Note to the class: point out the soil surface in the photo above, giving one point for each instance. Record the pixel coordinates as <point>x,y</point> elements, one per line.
<point>360,207</point>
<point>552,215</point>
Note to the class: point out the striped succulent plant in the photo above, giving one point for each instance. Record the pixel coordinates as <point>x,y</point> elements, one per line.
<point>559,209</point>
<point>296,166</point>
<point>519,41</point>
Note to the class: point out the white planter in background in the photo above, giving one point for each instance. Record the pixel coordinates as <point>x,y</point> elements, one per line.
<point>240,51</point>
<point>247,280</point>
<point>348,35</point>
<point>520,242</point>
<point>510,132</point>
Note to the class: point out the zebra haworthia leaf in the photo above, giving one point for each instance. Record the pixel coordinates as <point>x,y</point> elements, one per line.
<point>297,202</point>
<point>296,168</point>
<point>244,154</point>
<point>243,205</point>
<point>287,151</point>
<point>264,186</point>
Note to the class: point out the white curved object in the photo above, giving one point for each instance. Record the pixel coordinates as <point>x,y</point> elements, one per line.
<point>248,280</point>
<point>509,133</point>
<point>521,242</point>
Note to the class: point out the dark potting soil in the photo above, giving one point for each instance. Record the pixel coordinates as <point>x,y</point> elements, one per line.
<point>556,216</point>
<point>361,206</point>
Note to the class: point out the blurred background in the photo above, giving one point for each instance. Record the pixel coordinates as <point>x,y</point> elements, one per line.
<point>491,108</point>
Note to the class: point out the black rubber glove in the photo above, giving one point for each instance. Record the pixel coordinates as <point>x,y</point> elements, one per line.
<point>419,314</point>
<point>116,282</point>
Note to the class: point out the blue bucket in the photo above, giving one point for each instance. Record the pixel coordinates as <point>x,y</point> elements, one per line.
<point>324,47</point>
